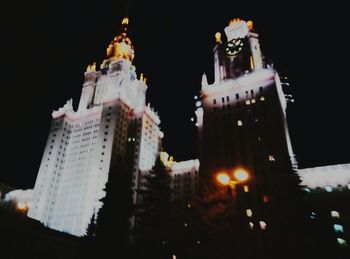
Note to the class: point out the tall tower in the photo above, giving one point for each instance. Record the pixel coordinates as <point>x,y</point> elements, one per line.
<point>242,125</point>
<point>112,124</point>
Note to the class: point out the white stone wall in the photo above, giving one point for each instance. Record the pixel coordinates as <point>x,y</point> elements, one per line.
<point>81,146</point>
<point>184,178</point>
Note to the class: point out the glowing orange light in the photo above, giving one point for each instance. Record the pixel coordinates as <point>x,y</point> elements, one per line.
<point>241,175</point>
<point>223,178</point>
<point>21,205</point>
<point>251,62</point>
<point>125,21</point>
<point>234,20</point>
<point>91,67</point>
<point>218,37</point>
<point>266,198</point>
<point>250,25</point>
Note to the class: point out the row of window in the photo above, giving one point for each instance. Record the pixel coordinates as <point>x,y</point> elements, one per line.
<point>237,96</point>
<point>247,102</point>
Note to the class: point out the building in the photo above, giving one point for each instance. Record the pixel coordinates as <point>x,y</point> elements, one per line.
<point>112,124</point>
<point>243,137</point>
<point>241,118</point>
<point>4,189</point>
<point>327,195</point>
<point>184,179</point>
<point>22,198</point>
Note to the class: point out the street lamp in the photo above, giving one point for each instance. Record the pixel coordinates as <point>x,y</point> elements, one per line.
<point>240,175</point>
<point>234,180</point>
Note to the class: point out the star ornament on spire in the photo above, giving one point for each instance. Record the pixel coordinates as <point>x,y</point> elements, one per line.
<point>121,46</point>
<point>125,21</point>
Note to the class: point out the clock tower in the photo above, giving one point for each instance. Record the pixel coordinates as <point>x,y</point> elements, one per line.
<point>239,54</point>
<point>244,139</point>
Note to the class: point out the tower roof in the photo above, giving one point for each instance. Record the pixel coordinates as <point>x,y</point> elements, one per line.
<point>121,46</point>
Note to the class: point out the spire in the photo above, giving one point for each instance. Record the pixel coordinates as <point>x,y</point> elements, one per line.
<point>218,38</point>
<point>91,67</point>
<point>121,46</point>
<point>204,80</point>
<point>234,20</point>
<point>143,78</point>
<point>125,21</point>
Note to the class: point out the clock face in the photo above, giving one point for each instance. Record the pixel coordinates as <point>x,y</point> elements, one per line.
<point>234,47</point>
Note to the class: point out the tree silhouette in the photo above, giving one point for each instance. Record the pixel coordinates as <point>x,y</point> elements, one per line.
<point>153,213</point>
<point>91,229</point>
<point>110,232</point>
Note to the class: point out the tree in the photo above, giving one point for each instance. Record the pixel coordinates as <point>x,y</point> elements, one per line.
<point>153,213</point>
<point>91,229</point>
<point>109,233</point>
<point>113,221</point>
<point>213,213</point>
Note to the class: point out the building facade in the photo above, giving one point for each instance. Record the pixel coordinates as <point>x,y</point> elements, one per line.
<point>242,116</point>
<point>184,179</point>
<point>327,195</point>
<point>243,134</point>
<point>112,123</point>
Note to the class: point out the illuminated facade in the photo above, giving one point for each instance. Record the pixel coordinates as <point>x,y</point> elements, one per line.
<point>184,179</point>
<point>241,120</point>
<point>327,195</point>
<point>83,147</point>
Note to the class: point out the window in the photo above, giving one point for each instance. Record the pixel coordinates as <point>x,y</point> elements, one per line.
<point>261,89</point>
<point>265,198</point>
<point>338,228</point>
<point>335,214</point>
<point>328,189</point>
<point>251,225</point>
<point>239,123</point>
<point>237,96</point>
<point>262,225</point>
<point>228,98</point>
<point>271,158</point>
<point>262,98</point>
<point>306,189</point>
<point>313,215</point>
<point>223,99</point>
<point>249,212</point>
<point>247,102</point>
<point>246,188</point>
<point>342,242</point>
<point>214,101</point>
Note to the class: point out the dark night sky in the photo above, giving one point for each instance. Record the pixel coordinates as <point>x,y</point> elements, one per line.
<point>46,48</point>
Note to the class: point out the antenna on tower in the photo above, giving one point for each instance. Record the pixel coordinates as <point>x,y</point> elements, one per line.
<point>127,7</point>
